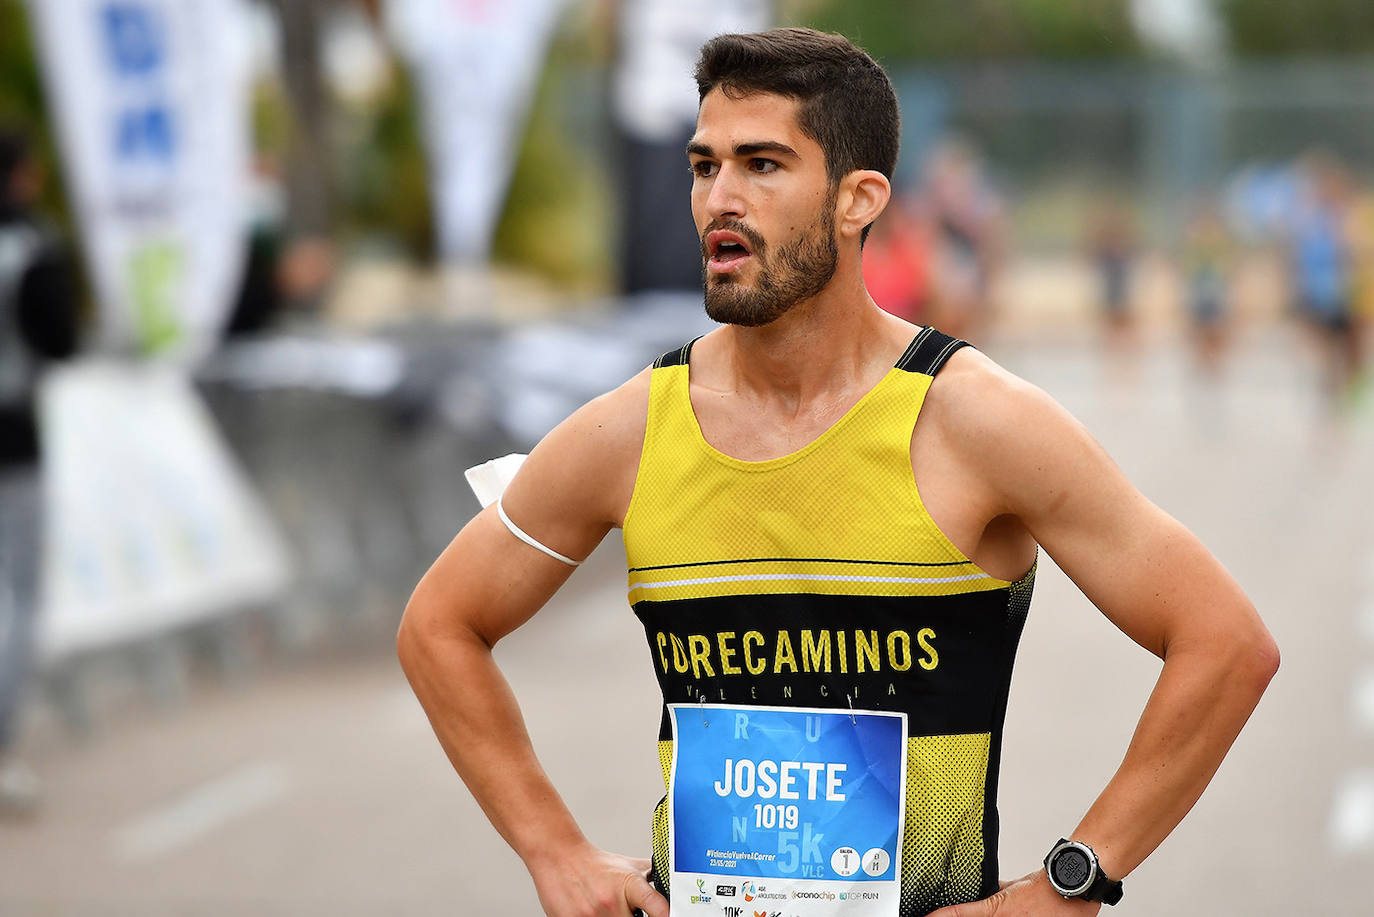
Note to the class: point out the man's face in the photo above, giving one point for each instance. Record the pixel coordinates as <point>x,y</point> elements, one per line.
<point>764,208</point>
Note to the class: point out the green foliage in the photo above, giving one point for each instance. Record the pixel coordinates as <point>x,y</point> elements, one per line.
<point>386,185</point>
<point>23,105</point>
<point>557,219</point>
<point>270,115</point>
<point>21,93</point>
<point>937,30</point>
<point>1260,28</point>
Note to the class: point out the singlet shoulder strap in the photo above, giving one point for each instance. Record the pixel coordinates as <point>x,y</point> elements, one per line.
<point>929,351</point>
<point>676,357</point>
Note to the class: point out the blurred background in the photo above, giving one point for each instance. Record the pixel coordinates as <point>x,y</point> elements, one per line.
<point>274,272</point>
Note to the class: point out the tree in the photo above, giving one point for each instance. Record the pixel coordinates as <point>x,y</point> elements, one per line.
<point>309,165</point>
<point>1267,28</point>
<point>980,29</point>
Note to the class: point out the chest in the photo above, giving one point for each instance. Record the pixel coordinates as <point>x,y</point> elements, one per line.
<point>752,430</point>
<point>919,473</point>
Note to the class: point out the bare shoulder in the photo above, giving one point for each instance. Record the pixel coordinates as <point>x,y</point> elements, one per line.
<point>581,475</point>
<point>1020,443</point>
<point>565,497</point>
<point>606,429</point>
<point>980,403</point>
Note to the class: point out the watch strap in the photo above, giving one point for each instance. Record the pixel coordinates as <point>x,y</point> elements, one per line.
<point>1103,889</point>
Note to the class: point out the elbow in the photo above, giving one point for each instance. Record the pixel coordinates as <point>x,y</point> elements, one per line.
<point>411,636</point>
<point>1266,659</point>
<point>1255,660</point>
<point>405,640</point>
<point>1240,660</point>
<point>430,632</point>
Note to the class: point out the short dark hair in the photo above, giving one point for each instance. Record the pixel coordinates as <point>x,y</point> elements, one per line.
<point>848,105</point>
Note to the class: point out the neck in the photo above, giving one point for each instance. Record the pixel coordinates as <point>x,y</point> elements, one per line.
<point>835,341</point>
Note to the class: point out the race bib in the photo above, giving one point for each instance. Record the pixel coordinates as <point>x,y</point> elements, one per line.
<point>785,810</point>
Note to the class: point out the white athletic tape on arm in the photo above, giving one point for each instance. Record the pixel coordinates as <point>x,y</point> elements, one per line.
<point>518,533</point>
<point>489,479</point>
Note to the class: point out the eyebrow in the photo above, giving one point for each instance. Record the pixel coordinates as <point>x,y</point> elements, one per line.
<point>698,148</point>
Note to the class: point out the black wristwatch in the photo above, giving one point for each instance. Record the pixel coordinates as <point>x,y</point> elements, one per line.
<point>1074,873</point>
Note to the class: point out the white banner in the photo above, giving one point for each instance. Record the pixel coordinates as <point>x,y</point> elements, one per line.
<point>476,63</point>
<point>655,93</point>
<point>151,524</point>
<point>151,102</point>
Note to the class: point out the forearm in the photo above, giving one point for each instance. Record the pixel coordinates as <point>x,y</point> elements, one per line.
<point>478,722</point>
<point>484,586</point>
<point>1200,703</point>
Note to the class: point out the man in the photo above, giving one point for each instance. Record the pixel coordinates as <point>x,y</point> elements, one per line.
<point>782,558</point>
<point>37,321</point>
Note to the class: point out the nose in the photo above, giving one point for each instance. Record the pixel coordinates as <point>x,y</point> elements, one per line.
<point>725,198</point>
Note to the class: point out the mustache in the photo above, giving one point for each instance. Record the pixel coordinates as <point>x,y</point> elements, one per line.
<point>740,228</point>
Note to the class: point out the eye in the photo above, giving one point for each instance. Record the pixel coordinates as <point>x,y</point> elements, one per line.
<point>704,168</point>
<point>763,166</point>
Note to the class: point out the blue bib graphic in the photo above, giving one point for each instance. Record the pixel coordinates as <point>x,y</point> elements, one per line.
<point>799,804</point>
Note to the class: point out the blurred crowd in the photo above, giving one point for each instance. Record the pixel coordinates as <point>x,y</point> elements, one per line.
<point>936,256</point>
<point>352,432</point>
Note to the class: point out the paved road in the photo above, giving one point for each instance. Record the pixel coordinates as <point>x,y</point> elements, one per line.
<point>319,789</point>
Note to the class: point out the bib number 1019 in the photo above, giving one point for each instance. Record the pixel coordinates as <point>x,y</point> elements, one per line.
<point>775,816</point>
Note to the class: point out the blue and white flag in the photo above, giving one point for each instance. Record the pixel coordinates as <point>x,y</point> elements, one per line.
<point>151,102</point>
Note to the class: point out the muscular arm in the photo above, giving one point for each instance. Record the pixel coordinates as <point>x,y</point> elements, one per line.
<point>1150,576</point>
<point>573,488</point>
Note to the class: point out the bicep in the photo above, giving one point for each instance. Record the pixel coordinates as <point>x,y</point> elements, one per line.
<point>486,583</point>
<point>1141,567</point>
<point>566,496</point>
<point>576,484</point>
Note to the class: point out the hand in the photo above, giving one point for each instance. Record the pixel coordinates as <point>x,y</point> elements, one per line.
<point>596,883</point>
<point>1029,896</point>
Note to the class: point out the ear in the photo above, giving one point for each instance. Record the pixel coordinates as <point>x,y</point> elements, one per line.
<point>863,195</point>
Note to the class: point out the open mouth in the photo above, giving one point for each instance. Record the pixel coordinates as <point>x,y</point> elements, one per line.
<point>726,251</point>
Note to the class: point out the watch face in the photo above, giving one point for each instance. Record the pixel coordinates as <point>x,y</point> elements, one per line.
<point>1070,869</point>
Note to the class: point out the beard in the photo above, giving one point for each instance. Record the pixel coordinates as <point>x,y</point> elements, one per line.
<point>804,267</point>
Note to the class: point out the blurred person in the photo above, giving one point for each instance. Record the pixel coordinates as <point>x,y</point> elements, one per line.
<point>259,297</point>
<point>279,273</point>
<point>763,479</point>
<point>38,322</point>
<point>896,263</point>
<point>966,217</point>
<point>1206,266</point>
<point>1323,266</point>
<point>1360,232</point>
<point>655,112</point>
<point>1112,247</point>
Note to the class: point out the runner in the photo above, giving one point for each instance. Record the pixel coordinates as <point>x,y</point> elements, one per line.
<point>1324,272</point>
<point>1206,268</point>
<point>833,644</point>
<point>38,324</point>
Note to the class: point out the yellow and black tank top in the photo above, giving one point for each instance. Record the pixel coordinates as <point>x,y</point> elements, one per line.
<point>818,579</point>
